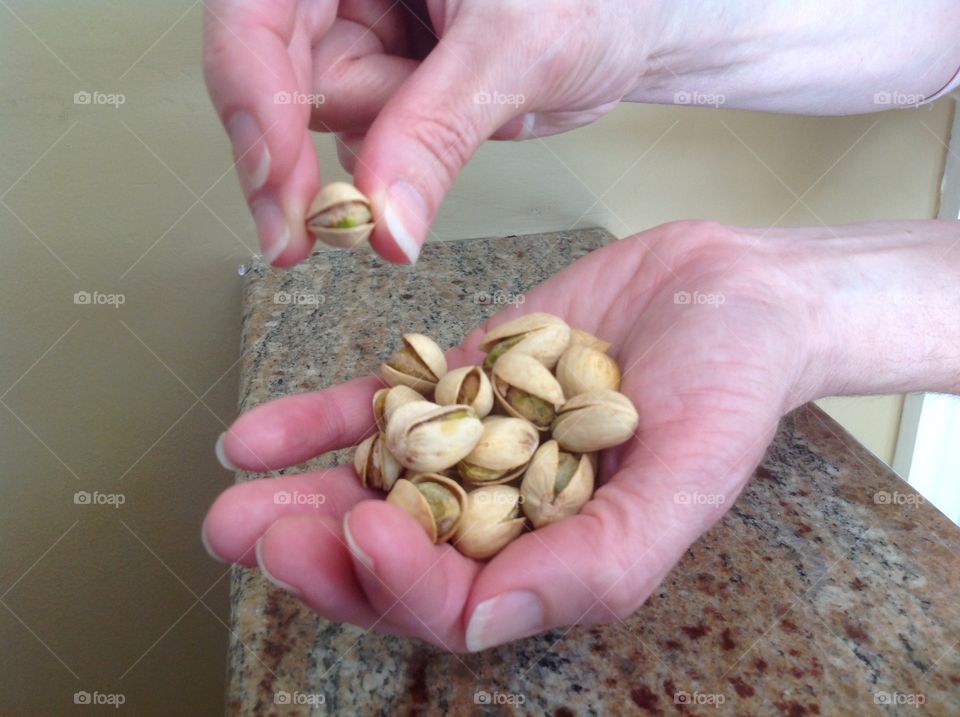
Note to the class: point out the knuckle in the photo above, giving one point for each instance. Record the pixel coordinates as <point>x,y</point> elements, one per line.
<point>449,138</point>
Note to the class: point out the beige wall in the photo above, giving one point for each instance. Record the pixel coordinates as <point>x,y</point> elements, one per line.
<point>130,400</point>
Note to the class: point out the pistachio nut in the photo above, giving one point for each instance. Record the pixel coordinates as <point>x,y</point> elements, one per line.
<point>419,364</point>
<point>433,500</point>
<point>541,335</point>
<point>490,521</point>
<point>556,485</point>
<point>582,338</point>
<point>525,388</point>
<point>430,438</point>
<point>583,369</point>
<point>502,453</point>
<point>595,420</point>
<point>468,386</point>
<point>376,466</point>
<point>388,400</point>
<point>340,215</point>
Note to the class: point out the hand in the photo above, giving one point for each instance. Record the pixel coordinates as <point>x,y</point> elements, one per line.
<point>716,336</point>
<point>411,94</point>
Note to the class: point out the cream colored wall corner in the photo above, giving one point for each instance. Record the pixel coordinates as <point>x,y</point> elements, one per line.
<point>128,401</point>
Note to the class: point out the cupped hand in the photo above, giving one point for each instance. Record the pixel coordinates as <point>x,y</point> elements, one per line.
<point>411,88</point>
<point>712,332</point>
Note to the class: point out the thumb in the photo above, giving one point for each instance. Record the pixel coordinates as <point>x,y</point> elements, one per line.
<point>425,135</point>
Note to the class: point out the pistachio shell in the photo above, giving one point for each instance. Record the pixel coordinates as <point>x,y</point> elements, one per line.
<point>525,388</point>
<point>556,485</point>
<point>595,420</point>
<point>340,216</point>
<point>430,438</point>
<point>502,453</point>
<point>434,501</point>
<point>388,400</point>
<point>541,335</point>
<point>583,369</point>
<point>376,467</point>
<point>582,338</point>
<point>490,521</point>
<point>419,364</point>
<point>468,386</point>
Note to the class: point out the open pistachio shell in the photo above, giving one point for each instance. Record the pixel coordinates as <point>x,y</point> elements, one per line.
<point>490,521</point>
<point>541,335</point>
<point>468,386</point>
<point>388,400</point>
<point>595,420</point>
<point>419,364</point>
<point>583,369</point>
<point>502,453</point>
<point>582,338</point>
<point>430,438</point>
<point>556,485</point>
<point>525,388</point>
<point>376,467</point>
<point>433,500</point>
<point>340,216</point>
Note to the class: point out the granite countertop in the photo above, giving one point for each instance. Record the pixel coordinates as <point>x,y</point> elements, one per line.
<point>830,587</point>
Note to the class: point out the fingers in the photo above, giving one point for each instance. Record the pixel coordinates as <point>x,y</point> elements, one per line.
<point>291,430</point>
<point>420,588</point>
<point>243,513</point>
<point>425,134</point>
<point>248,50</point>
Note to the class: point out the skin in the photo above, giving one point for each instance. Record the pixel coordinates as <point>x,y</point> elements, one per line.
<point>783,316</point>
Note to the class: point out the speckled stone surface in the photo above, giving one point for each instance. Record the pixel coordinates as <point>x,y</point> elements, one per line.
<point>828,589</point>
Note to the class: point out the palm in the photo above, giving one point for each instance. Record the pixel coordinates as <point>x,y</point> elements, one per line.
<point>709,383</point>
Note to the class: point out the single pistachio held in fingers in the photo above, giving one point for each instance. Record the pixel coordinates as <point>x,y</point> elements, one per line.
<point>595,420</point>
<point>583,369</point>
<point>490,521</point>
<point>556,485</point>
<point>502,453</point>
<point>429,438</point>
<point>582,338</point>
<point>388,400</point>
<point>525,388</point>
<point>340,216</point>
<point>468,386</point>
<point>433,500</point>
<point>541,335</point>
<point>376,466</point>
<point>418,365</point>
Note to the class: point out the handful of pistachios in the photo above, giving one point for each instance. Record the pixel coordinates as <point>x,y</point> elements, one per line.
<point>512,440</point>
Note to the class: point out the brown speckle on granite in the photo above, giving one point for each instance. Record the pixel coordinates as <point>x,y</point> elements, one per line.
<point>812,596</point>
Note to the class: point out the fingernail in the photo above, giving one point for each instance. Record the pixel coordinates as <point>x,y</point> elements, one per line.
<point>250,151</point>
<point>207,546</point>
<point>358,553</point>
<point>503,619</point>
<point>405,215</point>
<point>266,573</point>
<point>221,453</point>
<point>271,228</point>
